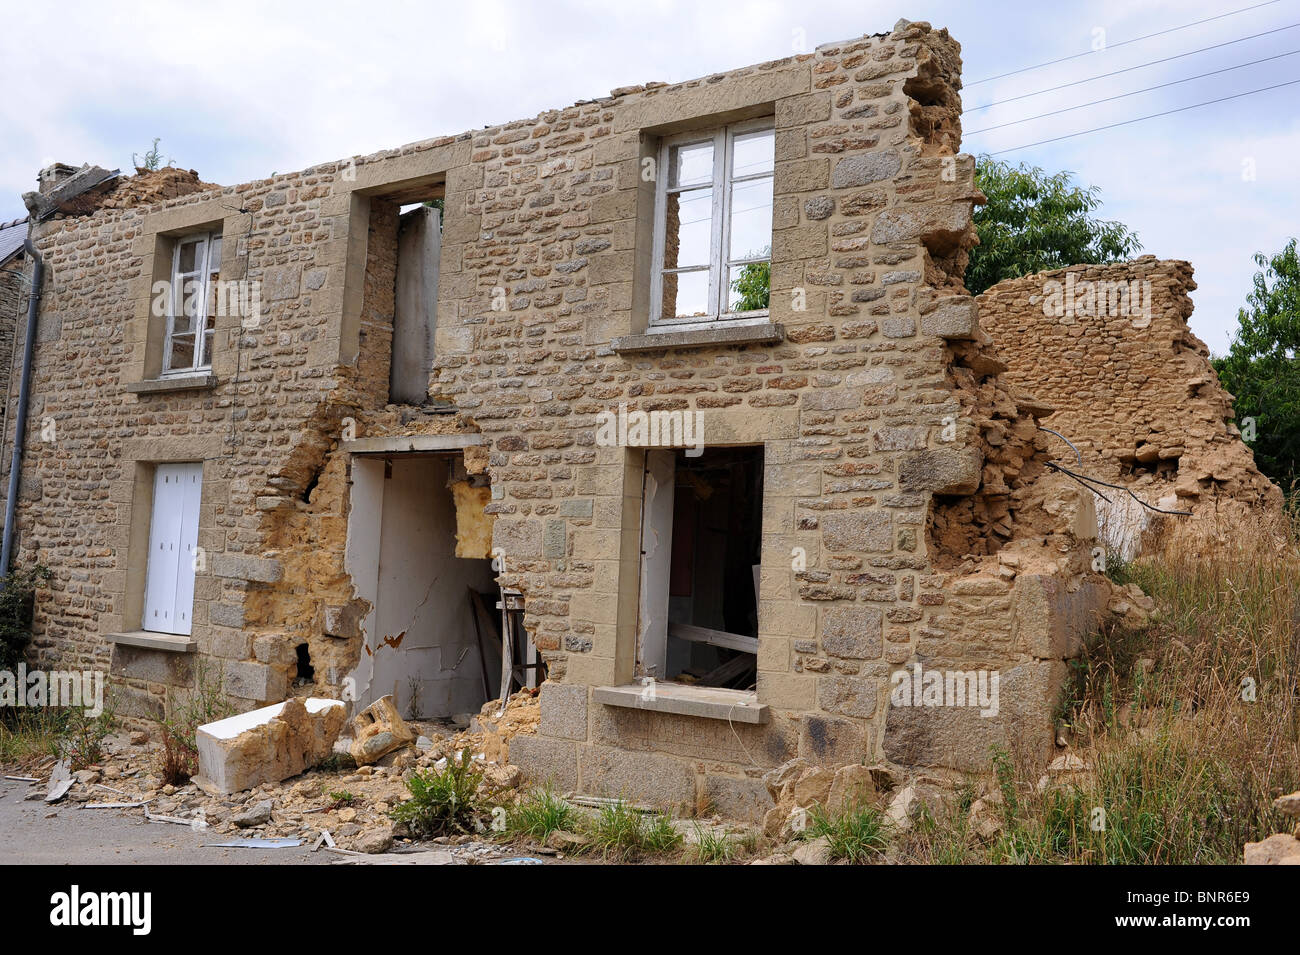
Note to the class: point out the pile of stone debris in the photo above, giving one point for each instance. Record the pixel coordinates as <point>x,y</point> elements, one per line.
<point>1282,848</point>
<point>347,798</point>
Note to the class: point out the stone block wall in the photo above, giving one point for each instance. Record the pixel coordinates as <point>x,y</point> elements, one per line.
<point>899,462</point>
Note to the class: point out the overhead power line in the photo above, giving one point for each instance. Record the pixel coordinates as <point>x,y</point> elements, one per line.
<point>1108,99</point>
<point>1129,69</point>
<point>1139,119</point>
<point>1111,46</point>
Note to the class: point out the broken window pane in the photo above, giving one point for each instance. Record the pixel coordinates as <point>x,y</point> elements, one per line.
<point>686,294</point>
<point>187,260</point>
<point>688,228</point>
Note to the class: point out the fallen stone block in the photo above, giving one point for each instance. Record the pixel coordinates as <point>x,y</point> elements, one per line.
<point>266,745</point>
<point>1279,849</point>
<point>1288,805</point>
<point>378,730</point>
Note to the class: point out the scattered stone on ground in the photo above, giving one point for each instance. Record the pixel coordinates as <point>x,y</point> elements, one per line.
<point>1279,849</point>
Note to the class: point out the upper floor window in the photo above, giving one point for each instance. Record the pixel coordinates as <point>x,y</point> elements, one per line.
<point>192,311</point>
<point>713,224</point>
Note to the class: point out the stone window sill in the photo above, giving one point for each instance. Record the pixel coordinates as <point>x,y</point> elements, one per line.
<point>170,642</point>
<point>156,386</point>
<point>737,706</point>
<point>765,333</point>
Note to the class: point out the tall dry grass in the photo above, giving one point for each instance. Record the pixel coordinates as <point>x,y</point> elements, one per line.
<point>1190,726</point>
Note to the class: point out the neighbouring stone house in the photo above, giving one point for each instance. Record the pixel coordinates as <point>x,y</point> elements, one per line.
<point>14,281</point>
<point>294,434</point>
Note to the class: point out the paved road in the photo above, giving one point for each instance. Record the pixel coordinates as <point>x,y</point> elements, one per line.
<point>76,836</point>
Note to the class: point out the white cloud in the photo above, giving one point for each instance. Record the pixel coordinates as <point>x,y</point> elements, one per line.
<point>241,89</point>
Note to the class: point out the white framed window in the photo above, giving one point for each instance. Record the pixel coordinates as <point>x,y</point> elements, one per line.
<point>191,313</point>
<point>713,224</point>
<point>173,540</point>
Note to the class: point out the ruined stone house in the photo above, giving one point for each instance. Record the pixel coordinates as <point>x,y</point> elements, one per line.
<point>689,367</point>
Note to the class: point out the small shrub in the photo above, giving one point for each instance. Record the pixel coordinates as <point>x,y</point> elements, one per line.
<point>539,814</point>
<point>340,797</point>
<point>82,736</point>
<point>179,759</point>
<point>857,834</point>
<point>442,802</point>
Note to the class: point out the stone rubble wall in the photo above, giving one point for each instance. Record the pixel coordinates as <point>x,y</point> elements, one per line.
<point>1133,390</point>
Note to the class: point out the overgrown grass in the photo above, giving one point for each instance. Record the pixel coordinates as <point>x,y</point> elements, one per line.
<point>68,733</point>
<point>29,734</point>
<point>1189,726</point>
<point>857,833</point>
<point>623,832</point>
<point>540,813</point>
<point>712,847</point>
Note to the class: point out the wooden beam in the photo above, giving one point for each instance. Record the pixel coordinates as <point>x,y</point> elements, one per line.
<point>715,638</point>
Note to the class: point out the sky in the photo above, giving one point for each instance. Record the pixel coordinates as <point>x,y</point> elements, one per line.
<point>239,91</point>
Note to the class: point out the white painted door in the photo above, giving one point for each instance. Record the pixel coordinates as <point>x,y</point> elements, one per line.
<point>173,537</point>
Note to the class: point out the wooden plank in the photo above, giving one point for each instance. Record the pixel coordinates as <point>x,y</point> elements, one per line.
<point>716,638</point>
<point>728,671</point>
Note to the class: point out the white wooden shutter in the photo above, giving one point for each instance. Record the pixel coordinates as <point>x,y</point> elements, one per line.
<point>173,536</point>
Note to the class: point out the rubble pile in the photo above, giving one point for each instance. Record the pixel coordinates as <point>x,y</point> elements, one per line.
<point>348,801</point>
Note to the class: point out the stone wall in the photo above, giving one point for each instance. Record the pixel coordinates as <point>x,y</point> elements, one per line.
<point>1109,348</point>
<point>888,428</point>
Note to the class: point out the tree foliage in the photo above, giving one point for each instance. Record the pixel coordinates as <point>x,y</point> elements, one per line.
<point>1262,367</point>
<point>1034,221</point>
<point>751,287</point>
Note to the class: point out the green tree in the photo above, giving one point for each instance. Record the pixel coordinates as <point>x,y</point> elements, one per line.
<point>1033,222</point>
<point>1262,367</point>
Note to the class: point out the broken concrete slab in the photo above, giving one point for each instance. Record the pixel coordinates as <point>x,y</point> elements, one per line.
<point>267,744</point>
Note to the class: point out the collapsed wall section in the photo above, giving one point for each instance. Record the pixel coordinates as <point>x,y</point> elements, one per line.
<point>1109,349</point>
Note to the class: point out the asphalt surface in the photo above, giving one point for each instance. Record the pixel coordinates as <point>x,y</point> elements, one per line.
<point>33,832</point>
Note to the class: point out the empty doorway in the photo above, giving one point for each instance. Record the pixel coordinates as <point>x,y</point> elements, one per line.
<point>423,643</point>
